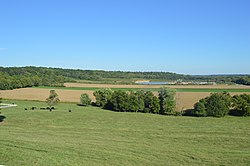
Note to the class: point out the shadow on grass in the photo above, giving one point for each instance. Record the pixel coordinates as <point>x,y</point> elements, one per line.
<point>2,118</point>
<point>188,112</point>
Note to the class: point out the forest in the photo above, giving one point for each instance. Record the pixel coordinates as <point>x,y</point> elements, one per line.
<point>21,77</point>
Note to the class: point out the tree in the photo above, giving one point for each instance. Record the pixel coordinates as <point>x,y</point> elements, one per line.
<point>120,101</point>
<point>136,103</point>
<point>102,97</point>
<point>154,105</point>
<point>241,104</point>
<point>148,97</point>
<point>167,101</point>
<point>85,100</point>
<point>200,109</point>
<point>216,105</point>
<point>53,98</point>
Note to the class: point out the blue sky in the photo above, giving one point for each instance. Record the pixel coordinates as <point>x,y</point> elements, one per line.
<point>182,36</point>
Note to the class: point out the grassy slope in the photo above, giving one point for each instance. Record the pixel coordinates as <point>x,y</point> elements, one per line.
<point>150,89</point>
<point>91,136</point>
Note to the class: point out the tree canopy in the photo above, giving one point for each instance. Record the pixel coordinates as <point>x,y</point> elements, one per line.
<point>53,98</point>
<point>21,77</point>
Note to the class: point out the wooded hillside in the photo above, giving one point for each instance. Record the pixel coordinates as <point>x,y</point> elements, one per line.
<point>21,77</point>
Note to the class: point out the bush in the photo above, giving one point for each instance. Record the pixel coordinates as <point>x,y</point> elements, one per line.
<point>120,101</point>
<point>154,105</point>
<point>53,98</point>
<point>146,110</point>
<point>167,101</point>
<point>241,105</point>
<point>217,105</point>
<point>102,97</point>
<point>200,109</point>
<point>136,103</point>
<point>85,100</point>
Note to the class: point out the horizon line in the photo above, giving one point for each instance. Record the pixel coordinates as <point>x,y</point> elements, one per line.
<point>136,71</point>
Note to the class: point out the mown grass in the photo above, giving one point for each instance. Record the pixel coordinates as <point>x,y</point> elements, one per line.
<point>150,89</point>
<point>92,136</point>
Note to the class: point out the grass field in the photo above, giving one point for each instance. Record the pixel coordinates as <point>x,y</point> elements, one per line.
<point>92,136</point>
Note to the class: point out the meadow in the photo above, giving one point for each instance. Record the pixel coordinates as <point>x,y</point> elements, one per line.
<point>93,136</point>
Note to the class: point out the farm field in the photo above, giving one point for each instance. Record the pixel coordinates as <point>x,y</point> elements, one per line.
<point>92,136</point>
<point>156,86</point>
<point>186,96</point>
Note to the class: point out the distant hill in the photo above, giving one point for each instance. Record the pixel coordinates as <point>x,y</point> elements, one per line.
<point>20,77</point>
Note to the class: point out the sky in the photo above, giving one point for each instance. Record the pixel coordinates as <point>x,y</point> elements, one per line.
<point>181,36</point>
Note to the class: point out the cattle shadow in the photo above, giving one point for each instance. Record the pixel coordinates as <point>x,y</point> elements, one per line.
<point>2,118</point>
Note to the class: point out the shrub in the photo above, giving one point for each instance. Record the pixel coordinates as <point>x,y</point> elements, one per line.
<point>200,109</point>
<point>85,100</point>
<point>216,105</point>
<point>154,105</point>
<point>146,110</point>
<point>241,104</point>
<point>167,101</point>
<point>102,97</point>
<point>53,98</point>
<point>136,103</point>
<point>120,101</point>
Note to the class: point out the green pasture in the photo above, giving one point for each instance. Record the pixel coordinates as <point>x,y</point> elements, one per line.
<point>93,136</point>
<point>151,89</point>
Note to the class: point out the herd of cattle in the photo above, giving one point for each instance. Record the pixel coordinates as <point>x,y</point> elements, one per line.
<point>43,108</point>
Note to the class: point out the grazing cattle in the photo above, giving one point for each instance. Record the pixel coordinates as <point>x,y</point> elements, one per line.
<point>25,109</point>
<point>33,108</point>
<point>48,108</point>
<point>53,108</point>
<point>69,110</point>
<point>42,108</point>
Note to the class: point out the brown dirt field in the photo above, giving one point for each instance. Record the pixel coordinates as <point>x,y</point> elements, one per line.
<point>42,94</point>
<point>155,86</point>
<point>185,100</point>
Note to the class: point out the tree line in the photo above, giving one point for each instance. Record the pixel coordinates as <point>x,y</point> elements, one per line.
<point>21,77</point>
<point>215,105</point>
<point>138,101</point>
<point>221,104</point>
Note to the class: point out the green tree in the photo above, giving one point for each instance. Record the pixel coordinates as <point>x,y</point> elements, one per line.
<point>154,105</point>
<point>167,101</point>
<point>102,97</point>
<point>85,100</point>
<point>241,104</point>
<point>53,98</point>
<point>136,103</point>
<point>148,97</point>
<point>216,105</point>
<point>200,109</point>
<point>120,101</point>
